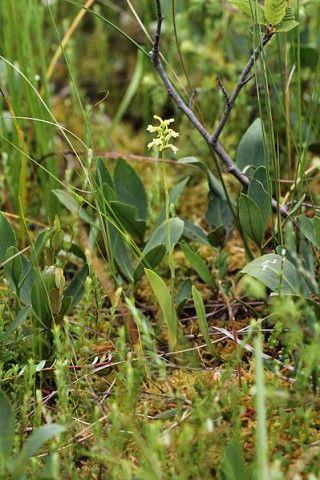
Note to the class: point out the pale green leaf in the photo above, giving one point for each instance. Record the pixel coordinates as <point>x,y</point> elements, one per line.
<point>274,11</point>
<point>278,274</point>
<point>251,8</point>
<point>251,219</point>
<point>163,296</point>
<point>160,235</point>
<point>197,263</point>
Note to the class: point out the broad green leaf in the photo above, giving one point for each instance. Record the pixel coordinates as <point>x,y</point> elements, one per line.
<point>274,11</point>
<point>251,219</point>
<point>278,274</point>
<point>251,8</point>
<point>286,26</point>
<point>109,195</point>
<point>127,217</point>
<point>163,296</point>
<point>7,425</point>
<point>160,236</point>
<point>120,252</point>
<point>261,174</point>
<point>36,441</point>
<point>197,263</point>
<point>129,188</point>
<point>288,22</point>
<point>251,148</point>
<point>202,319</point>
<point>218,212</point>
<point>310,228</point>
<point>103,176</point>
<point>7,237</point>
<point>259,195</point>
<point>195,233</point>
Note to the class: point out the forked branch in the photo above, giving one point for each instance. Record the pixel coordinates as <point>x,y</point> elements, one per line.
<point>212,140</point>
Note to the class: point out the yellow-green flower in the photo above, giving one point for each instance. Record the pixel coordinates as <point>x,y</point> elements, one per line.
<point>163,135</point>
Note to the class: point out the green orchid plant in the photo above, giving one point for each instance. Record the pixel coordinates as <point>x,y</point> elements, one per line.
<point>163,135</point>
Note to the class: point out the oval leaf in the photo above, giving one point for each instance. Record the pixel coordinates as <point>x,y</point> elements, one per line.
<point>251,148</point>
<point>275,10</point>
<point>251,219</point>
<point>278,274</point>
<point>160,235</point>
<point>129,188</point>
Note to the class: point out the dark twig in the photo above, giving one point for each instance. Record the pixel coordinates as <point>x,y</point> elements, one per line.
<point>243,79</point>
<point>155,53</point>
<point>248,80</point>
<point>214,145</point>
<point>224,93</point>
<point>192,97</point>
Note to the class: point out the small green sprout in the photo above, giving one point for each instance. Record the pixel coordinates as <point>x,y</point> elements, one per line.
<point>163,135</point>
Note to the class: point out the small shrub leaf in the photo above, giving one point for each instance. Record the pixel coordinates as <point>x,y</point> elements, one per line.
<point>274,11</point>
<point>278,274</point>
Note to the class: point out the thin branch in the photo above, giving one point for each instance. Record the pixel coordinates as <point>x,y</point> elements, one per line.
<point>214,146</point>
<point>224,93</point>
<point>192,97</point>
<point>243,79</point>
<point>155,53</point>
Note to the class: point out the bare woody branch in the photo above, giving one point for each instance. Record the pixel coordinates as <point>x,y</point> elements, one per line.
<point>212,140</point>
<point>243,79</point>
